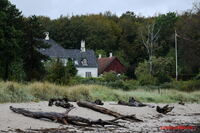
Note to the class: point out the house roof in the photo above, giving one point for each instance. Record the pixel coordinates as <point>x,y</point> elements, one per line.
<point>104,63</point>
<point>57,51</point>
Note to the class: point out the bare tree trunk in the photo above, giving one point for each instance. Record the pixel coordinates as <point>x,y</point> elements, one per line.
<point>150,64</point>
<point>5,78</point>
<point>149,41</point>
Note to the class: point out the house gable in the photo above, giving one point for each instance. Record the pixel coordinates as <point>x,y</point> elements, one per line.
<point>110,64</point>
<point>115,66</point>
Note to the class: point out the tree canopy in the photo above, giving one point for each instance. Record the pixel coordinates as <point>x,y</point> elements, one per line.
<point>20,37</point>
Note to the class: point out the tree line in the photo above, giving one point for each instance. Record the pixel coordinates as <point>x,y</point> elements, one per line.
<point>123,35</point>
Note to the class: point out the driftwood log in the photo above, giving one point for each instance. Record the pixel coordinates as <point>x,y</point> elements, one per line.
<point>164,110</point>
<point>64,118</point>
<point>134,103</point>
<point>98,102</point>
<point>181,103</point>
<point>60,102</point>
<point>107,111</point>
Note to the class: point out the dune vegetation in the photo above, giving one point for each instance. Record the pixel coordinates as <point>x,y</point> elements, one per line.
<point>41,91</point>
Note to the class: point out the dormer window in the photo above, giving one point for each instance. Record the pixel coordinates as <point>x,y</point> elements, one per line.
<point>84,62</point>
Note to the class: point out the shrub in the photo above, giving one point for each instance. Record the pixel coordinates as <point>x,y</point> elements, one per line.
<point>60,74</point>
<point>45,91</point>
<point>131,84</point>
<point>162,67</point>
<point>117,84</point>
<point>79,93</point>
<point>17,72</point>
<point>12,92</point>
<point>57,73</point>
<point>147,79</point>
<point>110,76</point>
<point>189,85</point>
<point>70,68</point>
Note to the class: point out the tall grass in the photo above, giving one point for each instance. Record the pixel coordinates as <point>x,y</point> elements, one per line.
<point>18,92</point>
<point>14,92</point>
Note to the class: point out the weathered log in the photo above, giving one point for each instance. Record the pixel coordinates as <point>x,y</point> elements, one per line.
<point>181,103</point>
<point>107,111</point>
<point>64,118</point>
<point>134,103</point>
<point>164,110</point>
<point>52,100</point>
<point>98,102</point>
<point>60,102</point>
<point>53,116</point>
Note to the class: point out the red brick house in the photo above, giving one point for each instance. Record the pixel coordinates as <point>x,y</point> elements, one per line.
<point>111,63</point>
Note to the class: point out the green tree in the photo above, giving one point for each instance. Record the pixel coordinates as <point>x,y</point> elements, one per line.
<point>33,35</point>
<point>71,69</point>
<point>166,23</point>
<point>161,72</point>
<point>189,41</point>
<point>100,52</point>
<point>58,73</point>
<point>10,35</point>
<point>129,43</point>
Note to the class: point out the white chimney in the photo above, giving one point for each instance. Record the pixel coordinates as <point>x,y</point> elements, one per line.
<point>99,56</point>
<point>47,35</point>
<point>111,55</point>
<point>82,46</point>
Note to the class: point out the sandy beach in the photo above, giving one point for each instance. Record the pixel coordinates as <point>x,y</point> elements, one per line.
<point>181,115</point>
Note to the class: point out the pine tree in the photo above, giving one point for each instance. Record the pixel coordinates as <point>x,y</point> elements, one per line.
<point>32,58</point>
<point>10,35</point>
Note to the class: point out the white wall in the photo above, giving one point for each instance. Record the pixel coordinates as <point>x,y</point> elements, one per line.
<point>82,71</point>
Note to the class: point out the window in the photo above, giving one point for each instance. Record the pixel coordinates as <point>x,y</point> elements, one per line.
<point>84,62</point>
<point>76,62</point>
<point>88,74</point>
<point>63,61</point>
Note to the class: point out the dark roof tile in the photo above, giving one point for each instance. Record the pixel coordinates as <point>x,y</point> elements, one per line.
<point>57,51</point>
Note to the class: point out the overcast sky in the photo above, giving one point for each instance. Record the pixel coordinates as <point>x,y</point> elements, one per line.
<point>55,8</point>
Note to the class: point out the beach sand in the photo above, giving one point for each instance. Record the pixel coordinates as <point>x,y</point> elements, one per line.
<point>180,115</point>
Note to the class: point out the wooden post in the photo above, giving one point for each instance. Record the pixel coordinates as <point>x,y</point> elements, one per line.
<point>176,55</point>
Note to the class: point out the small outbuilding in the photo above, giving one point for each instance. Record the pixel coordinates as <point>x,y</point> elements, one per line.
<point>111,63</point>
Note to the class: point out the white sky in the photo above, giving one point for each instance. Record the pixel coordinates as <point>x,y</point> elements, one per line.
<point>55,8</point>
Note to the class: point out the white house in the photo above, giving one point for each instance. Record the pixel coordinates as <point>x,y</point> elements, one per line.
<point>85,60</point>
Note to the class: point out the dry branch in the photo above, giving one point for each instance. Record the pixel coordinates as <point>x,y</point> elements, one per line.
<point>107,111</point>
